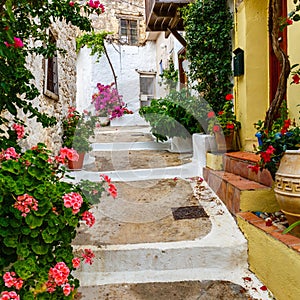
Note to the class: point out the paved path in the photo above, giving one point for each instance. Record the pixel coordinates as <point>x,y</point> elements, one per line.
<point>167,235</point>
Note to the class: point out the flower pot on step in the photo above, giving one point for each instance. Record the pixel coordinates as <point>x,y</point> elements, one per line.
<point>287,187</point>
<point>77,165</point>
<point>224,142</point>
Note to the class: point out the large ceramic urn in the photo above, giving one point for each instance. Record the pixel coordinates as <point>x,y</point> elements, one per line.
<point>287,186</point>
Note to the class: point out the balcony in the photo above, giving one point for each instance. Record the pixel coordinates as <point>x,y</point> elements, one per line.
<point>163,15</point>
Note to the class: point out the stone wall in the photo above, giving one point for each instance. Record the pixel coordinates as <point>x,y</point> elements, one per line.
<point>65,36</point>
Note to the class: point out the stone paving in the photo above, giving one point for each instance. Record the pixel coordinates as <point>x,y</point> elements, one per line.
<point>143,251</point>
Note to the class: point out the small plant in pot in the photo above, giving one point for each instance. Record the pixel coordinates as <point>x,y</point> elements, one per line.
<point>77,130</point>
<point>224,125</point>
<point>279,154</point>
<point>179,114</point>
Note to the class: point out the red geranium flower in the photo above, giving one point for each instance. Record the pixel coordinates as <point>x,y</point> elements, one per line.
<point>229,97</point>
<point>230,126</point>
<point>296,79</point>
<point>210,114</point>
<point>216,128</point>
<point>220,113</point>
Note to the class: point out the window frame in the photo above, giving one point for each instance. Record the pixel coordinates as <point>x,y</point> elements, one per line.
<point>127,39</point>
<point>54,76</point>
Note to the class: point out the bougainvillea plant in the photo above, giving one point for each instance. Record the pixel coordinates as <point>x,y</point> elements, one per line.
<point>108,102</point>
<point>225,121</point>
<point>39,214</point>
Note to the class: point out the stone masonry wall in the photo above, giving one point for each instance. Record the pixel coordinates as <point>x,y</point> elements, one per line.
<point>65,36</point>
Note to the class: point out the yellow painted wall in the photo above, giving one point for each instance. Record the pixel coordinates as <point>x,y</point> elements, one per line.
<point>293,93</point>
<point>276,265</point>
<point>251,89</point>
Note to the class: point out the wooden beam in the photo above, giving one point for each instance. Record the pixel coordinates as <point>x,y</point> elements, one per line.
<point>178,36</point>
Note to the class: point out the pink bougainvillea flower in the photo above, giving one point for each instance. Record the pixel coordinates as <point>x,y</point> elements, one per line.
<point>296,79</point>
<point>229,97</point>
<point>210,114</point>
<point>89,218</point>
<point>18,43</point>
<point>88,255</point>
<point>73,200</point>
<point>216,128</point>
<point>76,262</point>
<point>25,204</point>
<point>7,44</point>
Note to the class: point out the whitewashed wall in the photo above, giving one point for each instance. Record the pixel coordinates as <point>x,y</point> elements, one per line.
<point>127,60</point>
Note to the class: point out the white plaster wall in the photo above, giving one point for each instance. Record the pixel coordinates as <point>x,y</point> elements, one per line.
<point>127,60</point>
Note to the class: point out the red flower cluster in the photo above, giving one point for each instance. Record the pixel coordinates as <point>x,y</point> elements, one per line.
<point>9,153</point>
<point>25,204</point>
<point>17,43</point>
<point>96,4</point>
<point>66,154</point>
<point>111,187</point>
<point>9,295</point>
<point>266,156</point>
<point>58,276</point>
<point>73,200</point>
<point>88,255</point>
<point>89,218</point>
<point>19,130</point>
<point>286,125</point>
<point>296,79</point>
<point>11,280</point>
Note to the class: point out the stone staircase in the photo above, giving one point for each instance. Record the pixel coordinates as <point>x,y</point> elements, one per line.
<point>211,249</point>
<point>236,185</point>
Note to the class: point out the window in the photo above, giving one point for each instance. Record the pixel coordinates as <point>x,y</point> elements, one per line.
<point>147,88</point>
<point>51,74</point>
<point>129,31</point>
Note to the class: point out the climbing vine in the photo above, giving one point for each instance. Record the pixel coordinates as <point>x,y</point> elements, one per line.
<point>208,26</point>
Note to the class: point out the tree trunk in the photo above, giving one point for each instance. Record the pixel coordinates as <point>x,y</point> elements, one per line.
<point>274,15</point>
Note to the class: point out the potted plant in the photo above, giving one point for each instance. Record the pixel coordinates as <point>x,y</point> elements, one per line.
<point>78,128</point>
<point>224,125</point>
<point>179,114</point>
<point>39,215</point>
<point>279,154</point>
<point>108,103</point>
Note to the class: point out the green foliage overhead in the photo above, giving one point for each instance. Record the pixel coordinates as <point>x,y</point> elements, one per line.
<point>94,41</point>
<point>208,26</point>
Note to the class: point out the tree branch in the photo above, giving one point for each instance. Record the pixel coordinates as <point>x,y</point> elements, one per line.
<point>274,15</point>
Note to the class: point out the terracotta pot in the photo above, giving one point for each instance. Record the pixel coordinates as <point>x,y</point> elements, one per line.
<point>77,165</point>
<point>224,142</point>
<point>287,187</point>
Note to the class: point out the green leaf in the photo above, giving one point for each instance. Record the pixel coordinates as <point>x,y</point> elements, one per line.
<point>36,172</point>
<point>23,250</point>
<point>11,166</point>
<point>11,241</point>
<point>291,227</point>
<point>40,249</point>
<point>33,221</point>
<point>25,268</point>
